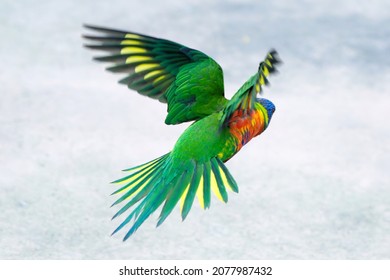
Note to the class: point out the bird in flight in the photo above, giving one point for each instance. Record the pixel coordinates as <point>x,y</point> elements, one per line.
<point>191,84</point>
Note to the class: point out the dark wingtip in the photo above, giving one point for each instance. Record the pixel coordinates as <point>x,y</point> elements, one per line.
<point>115,231</point>
<point>103,29</point>
<point>94,27</point>
<point>87,46</point>
<point>275,56</point>
<point>273,51</point>
<point>129,233</point>
<point>90,37</point>
<point>91,26</point>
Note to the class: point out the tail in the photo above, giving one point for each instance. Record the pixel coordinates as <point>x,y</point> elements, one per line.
<point>162,180</point>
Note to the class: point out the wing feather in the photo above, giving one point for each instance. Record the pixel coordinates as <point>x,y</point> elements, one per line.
<point>163,70</point>
<point>245,97</point>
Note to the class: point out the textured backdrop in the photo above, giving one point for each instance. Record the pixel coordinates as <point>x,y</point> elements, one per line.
<point>315,185</point>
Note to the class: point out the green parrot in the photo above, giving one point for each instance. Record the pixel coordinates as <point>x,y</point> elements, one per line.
<point>191,83</point>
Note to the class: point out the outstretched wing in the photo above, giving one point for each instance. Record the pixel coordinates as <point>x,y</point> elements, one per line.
<point>188,80</point>
<point>244,99</point>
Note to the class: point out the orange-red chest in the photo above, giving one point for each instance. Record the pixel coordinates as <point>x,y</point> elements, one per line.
<point>244,126</point>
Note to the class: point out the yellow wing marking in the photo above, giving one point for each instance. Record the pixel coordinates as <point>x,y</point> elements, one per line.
<point>265,71</point>
<point>135,169</point>
<point>134,180</point>
<point>199,192</point>
<point>151,74</point>
<point>224,179</point>
<point>131,50</point>
<point>145,66</point>
<point>183,197</point>
<point>137,58</point>
<point>132,36</point>
<point>137,191</point>
<point>262,82</point>
<point>147,166</point>
<point>131,42</point>
<point>158,79</point>
<point>267,61</point>
<point>214,186</point>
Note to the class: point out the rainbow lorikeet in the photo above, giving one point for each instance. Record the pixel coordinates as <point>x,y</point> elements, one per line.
<point>191,83</point>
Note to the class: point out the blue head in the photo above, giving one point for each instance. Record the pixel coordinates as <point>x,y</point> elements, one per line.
<point>269,106</point>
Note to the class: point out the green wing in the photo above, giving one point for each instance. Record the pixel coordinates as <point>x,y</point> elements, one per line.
<point>245,97</point>
<point>188,80</point>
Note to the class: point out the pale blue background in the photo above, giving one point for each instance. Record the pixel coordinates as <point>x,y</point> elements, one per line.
<point>315,185</point>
